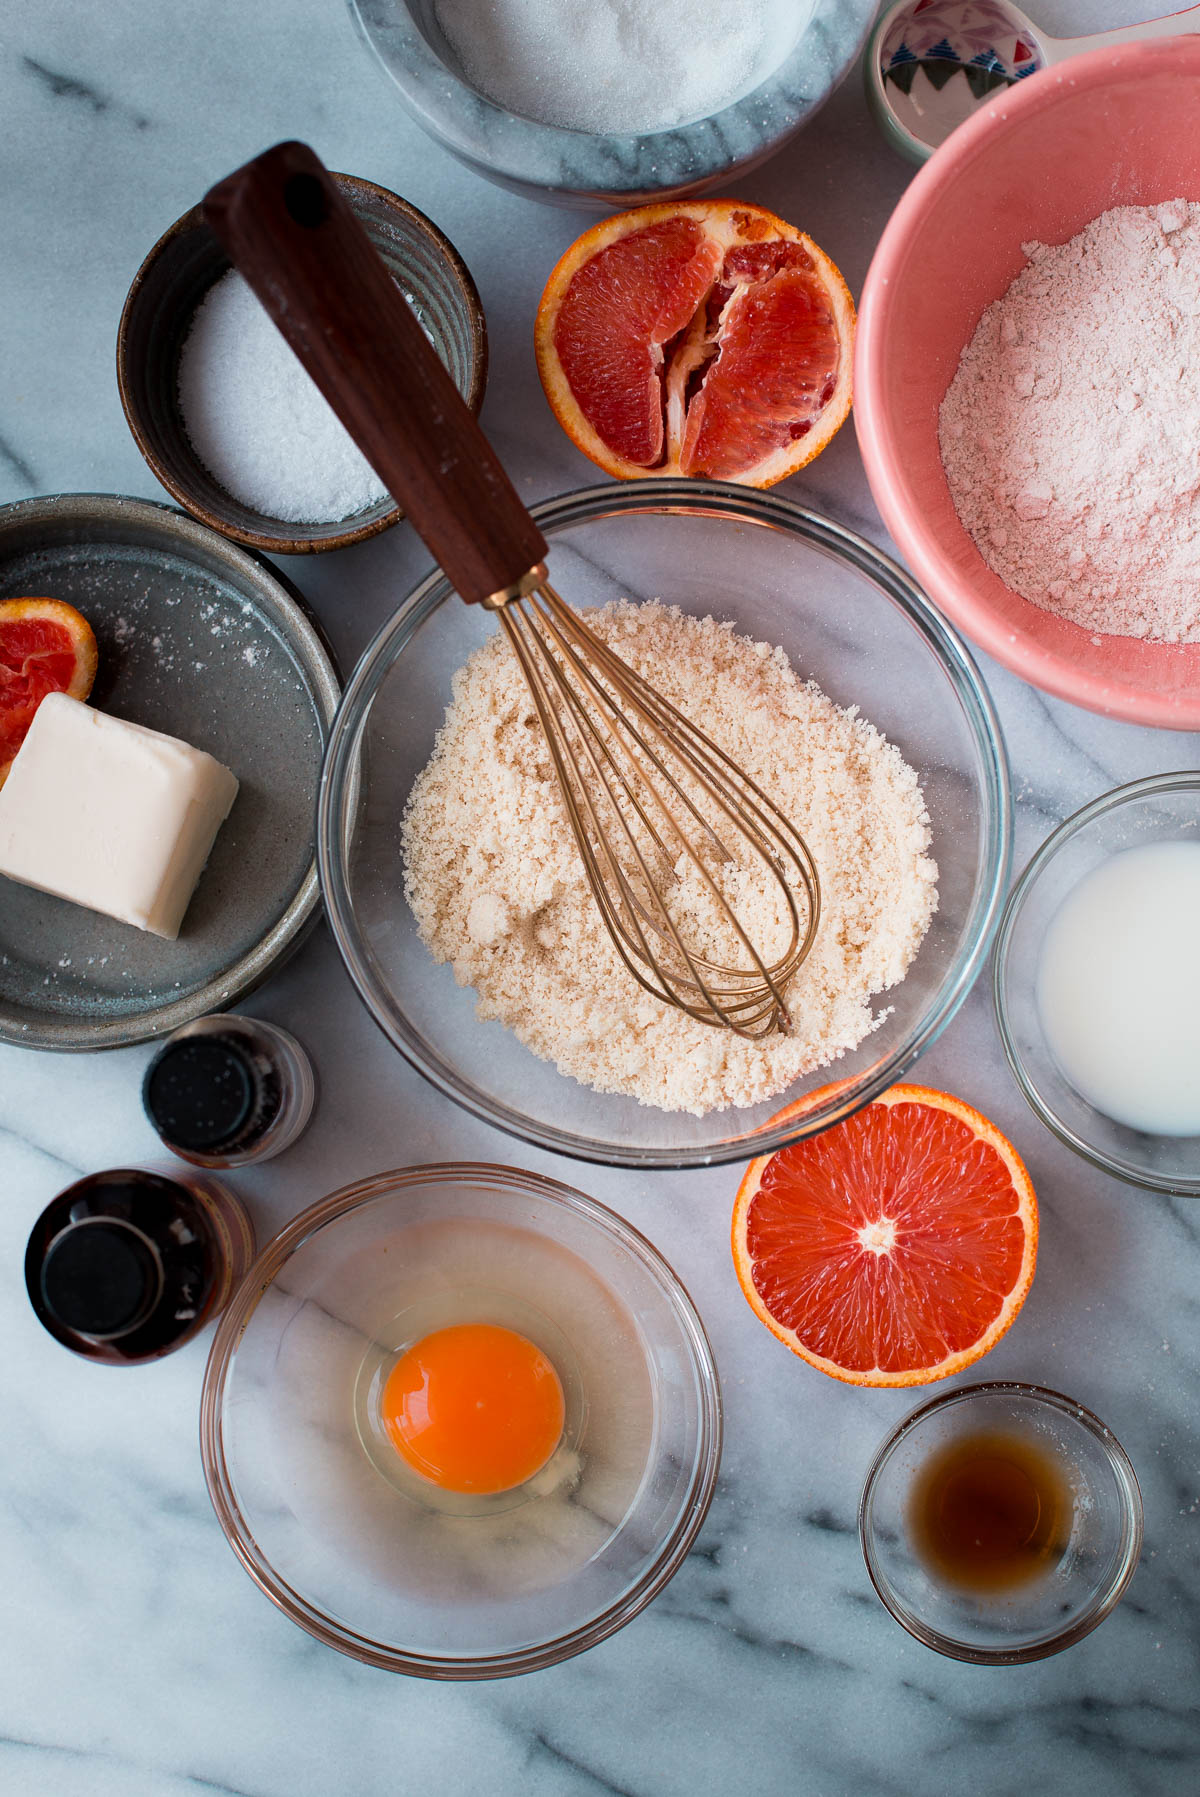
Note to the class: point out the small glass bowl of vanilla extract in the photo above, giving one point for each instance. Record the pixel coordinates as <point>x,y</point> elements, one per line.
<point>1001,1523</point>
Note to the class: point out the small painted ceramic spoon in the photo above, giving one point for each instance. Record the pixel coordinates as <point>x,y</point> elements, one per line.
<point>931,63</point>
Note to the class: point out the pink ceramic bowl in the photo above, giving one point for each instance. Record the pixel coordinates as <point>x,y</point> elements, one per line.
<point>1113,128</point>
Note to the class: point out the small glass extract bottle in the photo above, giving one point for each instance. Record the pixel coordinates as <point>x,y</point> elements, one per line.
<point>226,1090</point>
<point>127,1266</point>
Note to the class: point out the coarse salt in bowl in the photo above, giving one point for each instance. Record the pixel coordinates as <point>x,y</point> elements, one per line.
<point>847,618</point>
<point>1037,163</point>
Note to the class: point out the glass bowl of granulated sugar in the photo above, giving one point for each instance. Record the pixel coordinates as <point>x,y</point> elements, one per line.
<point>1027,380</point>
<point>455,894</point>
<point>613,101</point>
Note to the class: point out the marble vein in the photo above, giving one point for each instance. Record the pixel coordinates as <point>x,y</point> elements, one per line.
<point>20,467</point>
<point>39,1148</point>
<point>70,87</point>
<point>539,1743</point>
<point>211,1784</point>
<point>48,1747</point>
<point>828,1523</point>
<point>744,1634</point>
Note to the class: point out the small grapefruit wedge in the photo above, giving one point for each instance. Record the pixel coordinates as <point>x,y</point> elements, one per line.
<point>697,337</point>
<point>46,646</point>
<point>893,1249</point>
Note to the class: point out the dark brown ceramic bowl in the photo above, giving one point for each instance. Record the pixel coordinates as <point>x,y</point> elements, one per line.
<point>168,287</point>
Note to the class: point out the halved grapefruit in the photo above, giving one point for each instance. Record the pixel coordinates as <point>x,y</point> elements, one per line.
<point>893,1249</point>
<point>697,337</point>
<point>46,646</point>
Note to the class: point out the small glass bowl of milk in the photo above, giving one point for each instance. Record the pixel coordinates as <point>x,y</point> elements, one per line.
<point>1097,982</point>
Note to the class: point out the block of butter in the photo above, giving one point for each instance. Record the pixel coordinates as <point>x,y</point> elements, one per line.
<point>111,815</point>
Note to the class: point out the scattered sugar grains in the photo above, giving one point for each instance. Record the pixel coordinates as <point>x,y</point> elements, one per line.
<point>495,884</point>
<point>258,422</point>
<point>1070,434</point>
<point>619,65</point>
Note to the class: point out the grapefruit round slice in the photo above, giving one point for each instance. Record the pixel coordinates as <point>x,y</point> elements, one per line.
<point>701,337</point>
<point>46,646</point>
<point>895,1248</point>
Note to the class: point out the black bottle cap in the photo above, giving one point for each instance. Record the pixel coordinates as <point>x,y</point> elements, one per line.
<point>101,1278</point>
<point>200,1093</point>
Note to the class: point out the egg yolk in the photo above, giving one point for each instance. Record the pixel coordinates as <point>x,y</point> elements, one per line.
<point>474,1408</point>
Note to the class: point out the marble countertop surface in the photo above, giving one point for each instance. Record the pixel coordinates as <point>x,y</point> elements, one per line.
<point>136,1658</point>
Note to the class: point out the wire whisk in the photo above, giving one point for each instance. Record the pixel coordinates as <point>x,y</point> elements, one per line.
<point>676,841</point>
<point>645,789</point>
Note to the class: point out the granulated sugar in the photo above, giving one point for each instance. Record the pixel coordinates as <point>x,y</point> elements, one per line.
<point>619,65</point>
<point>1070,433</point>
<point>497,889</point>
<point>258,422</point>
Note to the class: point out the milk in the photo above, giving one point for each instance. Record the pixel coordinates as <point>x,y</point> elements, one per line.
<point>1118,988</point>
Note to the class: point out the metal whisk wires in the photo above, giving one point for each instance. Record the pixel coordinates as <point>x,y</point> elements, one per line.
<point>674,838</point>
<point>660,813</point>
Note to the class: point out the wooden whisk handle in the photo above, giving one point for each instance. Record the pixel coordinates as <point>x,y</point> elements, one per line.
<point>288,230</point>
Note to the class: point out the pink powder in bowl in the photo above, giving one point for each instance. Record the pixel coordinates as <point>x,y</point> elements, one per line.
<point>1070,433</point>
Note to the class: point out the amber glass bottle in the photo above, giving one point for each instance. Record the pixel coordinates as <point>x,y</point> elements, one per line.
<point>128,1265</point>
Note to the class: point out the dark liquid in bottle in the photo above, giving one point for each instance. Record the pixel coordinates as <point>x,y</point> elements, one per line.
<point>127,1265</point>
<point>990,1511</point>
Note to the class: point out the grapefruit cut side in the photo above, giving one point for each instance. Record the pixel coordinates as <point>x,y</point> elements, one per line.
<point>46,646</point>
<point>703,337</point>
<point>896,1247</point>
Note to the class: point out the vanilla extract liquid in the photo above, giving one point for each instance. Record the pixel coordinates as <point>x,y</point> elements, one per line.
<point>126,1266</point>
<point>990,1511</point>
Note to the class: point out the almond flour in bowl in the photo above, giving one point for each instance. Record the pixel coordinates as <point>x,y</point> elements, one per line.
<point>497,889</point>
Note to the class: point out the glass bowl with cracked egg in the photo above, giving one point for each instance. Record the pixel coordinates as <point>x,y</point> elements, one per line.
<point>849,620</point>
<point>451,1571</point>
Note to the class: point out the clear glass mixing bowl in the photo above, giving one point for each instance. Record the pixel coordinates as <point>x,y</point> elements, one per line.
<point>1160,808</point>
<point>1081,1584</point>
<point>368,1556</point>
<point>848,618</point>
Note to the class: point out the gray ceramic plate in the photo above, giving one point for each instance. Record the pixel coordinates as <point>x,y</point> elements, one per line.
<point>202,640</point>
